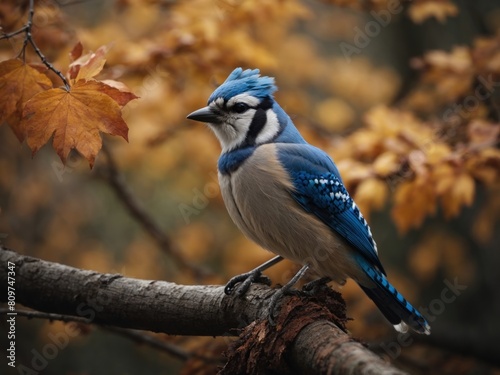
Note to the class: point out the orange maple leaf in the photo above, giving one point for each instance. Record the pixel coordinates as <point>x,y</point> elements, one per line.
<point>18,83</point>
<point>75,118</point>
<point>119,92</point>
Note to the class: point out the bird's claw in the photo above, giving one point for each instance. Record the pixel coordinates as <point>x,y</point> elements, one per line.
<point>315,286</point>
<point>308,289</point>
<point>273,304</point>
<point>245,280</point>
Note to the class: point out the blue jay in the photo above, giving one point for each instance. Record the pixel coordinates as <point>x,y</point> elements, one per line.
<point>287,196</point>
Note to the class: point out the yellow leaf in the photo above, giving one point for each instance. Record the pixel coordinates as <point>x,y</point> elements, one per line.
<point>386,163</point>
<point>460,194</point>
<point>436,152</point>
<point>413,201</point>
<point>366,143</point>
<point>444,176</point>
<point>353,171</point>
<point>334,114</point>
<point>423,10</point>
<point>371,194</point>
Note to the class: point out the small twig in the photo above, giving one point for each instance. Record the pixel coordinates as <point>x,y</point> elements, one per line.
<point>137,336</point>
<point>30,314</point>
<point>28,38</point>
<point>113,177</point>
<point>150,340</point>
<point>14,33</point>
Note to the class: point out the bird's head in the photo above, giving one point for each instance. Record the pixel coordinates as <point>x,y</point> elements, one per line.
<point>242,111</point>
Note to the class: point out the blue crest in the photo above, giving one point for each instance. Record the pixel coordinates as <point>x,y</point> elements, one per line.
<point>244,81</point>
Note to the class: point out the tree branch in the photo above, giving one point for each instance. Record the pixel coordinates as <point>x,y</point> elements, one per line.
<point>320,347</point>
<point>28,39</point>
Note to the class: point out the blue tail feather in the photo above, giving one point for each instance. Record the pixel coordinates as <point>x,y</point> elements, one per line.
<point>391,303</point>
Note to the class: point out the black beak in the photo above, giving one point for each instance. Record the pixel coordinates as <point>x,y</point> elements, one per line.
<point>205,114</point>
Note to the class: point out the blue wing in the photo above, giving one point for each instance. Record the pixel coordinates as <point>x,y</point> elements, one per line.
<point>320,191</point>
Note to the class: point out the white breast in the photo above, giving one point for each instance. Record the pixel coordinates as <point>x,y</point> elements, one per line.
<point>257,197</point>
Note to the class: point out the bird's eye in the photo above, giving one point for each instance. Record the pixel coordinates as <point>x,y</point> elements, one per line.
<point>240,107</point>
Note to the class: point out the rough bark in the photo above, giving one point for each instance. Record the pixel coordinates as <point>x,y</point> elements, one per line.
<point>319,347</point>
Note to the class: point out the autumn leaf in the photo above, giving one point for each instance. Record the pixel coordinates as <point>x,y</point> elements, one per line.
<point>18,83</point>
<point>75,118</point>
<point>413,201</point>
<point>422,10</point>
<point>460,194</point>
<point>119,92</point>
<point>386,164</point>
<point>76,52</point>
<point>334,114</point>
<point>485,166</point>
<point>482,133</point>
<point>87,66</point>
<point>371,194</point>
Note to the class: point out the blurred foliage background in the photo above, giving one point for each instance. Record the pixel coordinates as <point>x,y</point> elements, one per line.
<point>404,96</point>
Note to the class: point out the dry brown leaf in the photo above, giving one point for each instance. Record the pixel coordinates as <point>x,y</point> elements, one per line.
<point>76,52</point>
<point>75,118</point>
<point>88,65</point>
<point>119,96</point>
<point>18,83</point>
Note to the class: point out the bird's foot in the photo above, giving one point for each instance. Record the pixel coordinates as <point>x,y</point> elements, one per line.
<point>273,309</point>
<point>315,286</point>
<point>245,280</point>
<point>286,289</point>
